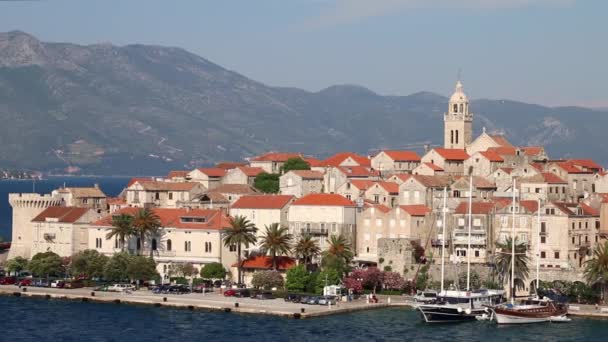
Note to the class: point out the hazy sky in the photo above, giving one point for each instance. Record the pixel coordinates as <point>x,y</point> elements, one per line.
<point>544,51</point>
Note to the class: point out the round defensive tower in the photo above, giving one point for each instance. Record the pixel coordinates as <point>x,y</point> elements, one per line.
<point>25,208</point>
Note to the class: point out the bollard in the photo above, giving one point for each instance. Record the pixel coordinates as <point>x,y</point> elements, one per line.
<point>24,289</point>
<point>302,310</point>
<point>47,296</point>
<point>297,315</point>
<point>164,299</point>
<point>227,310</point>
<point>190,307</point>
<point>17,294</point>
<point>93,294</point>
<point>329,305</point>
<point>236,305</point>
<point>116,301</point>
<point>157,305</point>
<point>84,300</point>
<point>389,300</point>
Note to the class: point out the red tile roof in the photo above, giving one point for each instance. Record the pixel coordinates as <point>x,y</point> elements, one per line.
<point>116,201</point>
<point>503,150</point>
<point>401,176</point>
<point>277,156</point>
<point>500,140</point>
<point>532,150</point>
<point>251,171</point>
<point>402,155</point>
<point>390,187</point>
<point>433,181</point>
<point>530,205</point>
<point>140,180</point>
<point>492,156</point>
<point>213,171</point>
<point>234,189</point>
<point>339,158</point>
<point>477,208</point>
<point>229,165</point>
<point>416,209</point>
<point>168,186</point>
<point>544,177</point>
<point>178,174</point>
<point>452,153</point>
<point>324,200</point>
<point>362,184</point>
<point>507,170</point>
<point>308,174</point>
<point>571,168</point>
<point>178,218</point>
<point>589,211</point>
<point>358,171</point>
<point>265,262</point>
<point>62,214</point>
<point>262,202</point>
<point>313,162</point>
<point>587,164</point>
<point>433,167</point>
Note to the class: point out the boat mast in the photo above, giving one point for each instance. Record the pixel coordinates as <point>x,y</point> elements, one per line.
<point>538,247</point>
<point>470,224</point>
<point>513,245</point>
<point>443,223</point>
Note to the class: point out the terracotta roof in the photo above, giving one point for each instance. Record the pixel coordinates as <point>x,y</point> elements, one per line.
<point>390,187</point>
<point>507,170</point>
<point>571,168</point>
<point>140,180</point>
<point>262,202</point>
<point>178,174</point>
<point>452,153</point>
<point>324,200</point>
<point>168,186</point>
<point>503,150</point>
<point>571,209</point>
<point>213,171</point>
<point>229,165</point>
<point>308,174</point>
<point>587,164</point>
<point>492,156</point>
<point>212,197</point>
<point>339,158</point>
<point>433,181</point>
<point>250,171</point>
<point>402,155</point>
<point>416,209</point>
<point>362,184</point>
<point>265,262</point>
<point>500,140</point>
<point>358,171</point>
<point>477,208</point>
<point>80,192</point>
<point>277,156</point>
<point>433,167</point>
<point>116,201</point>
<point>540,167</point>
<point>530,205</point>
<point>532,150</point>
<point>179,218</point>
<point>544,177</point>
<point>62,214</point>
<point>478,182</point>
<point>380,207</point>
<point>589,211</point>
<point>234,189</point>
<point>402,176</point>
<point>313,162</point>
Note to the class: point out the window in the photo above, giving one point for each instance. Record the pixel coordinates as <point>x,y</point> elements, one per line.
<point>207,247</point>
<point>376,198</point>
<point>348,197</point>
<point>169,245</point>
<point>157,195</point>
<point>586,224</point>
<point>170,195</point>
<point>573,240</point>
<point>116,243</point>
<point>523,221</point>
<point>187,246</point>
<point>461,108</point>
<point>543,255</point>
<point>543,227</point>
<point>461,222</point>
<point>457,136</point>
<point>367,249</point>
<point>504,220</point>
<point>556,255</point>
<point>232,248</point>
<point>477,222</point>
<point>477,253</point>
<point>580,225</point>
<point>597,224</point>
<point>543,239</point>
<point>154,247</point>
<point>98,243</point>
<point>416,194</point>
<point>455,108</point>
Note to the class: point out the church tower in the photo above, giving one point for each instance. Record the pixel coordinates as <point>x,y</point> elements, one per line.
<point>458,122</point>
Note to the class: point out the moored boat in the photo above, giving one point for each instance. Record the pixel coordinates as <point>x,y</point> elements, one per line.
<point>460,306</point>
<point>530,311</point>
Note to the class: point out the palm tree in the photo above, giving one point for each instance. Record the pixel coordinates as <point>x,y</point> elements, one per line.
<point>122,228</point>
<point>306,249</point>
<point>340,248</point>
<point>596,269</point>
<point>241,232</point>
<point>276,241</point>
<point>503,261</point>
<point>146,224</point>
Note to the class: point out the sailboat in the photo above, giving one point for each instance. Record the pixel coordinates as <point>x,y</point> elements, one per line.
<point>531,310</point>
<point>458,306</point>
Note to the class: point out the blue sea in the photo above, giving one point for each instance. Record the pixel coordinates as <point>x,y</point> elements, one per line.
<point>29,319</point>
<point>111,186</point>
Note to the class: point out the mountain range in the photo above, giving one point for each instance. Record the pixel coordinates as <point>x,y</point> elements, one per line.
<point>143,109</point>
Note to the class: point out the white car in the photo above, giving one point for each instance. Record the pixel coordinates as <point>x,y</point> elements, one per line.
<point>121,288</point>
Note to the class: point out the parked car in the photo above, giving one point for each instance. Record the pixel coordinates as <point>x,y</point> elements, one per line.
<point>8,281</point>
<point>264,295</point>
<point>121,288</point>
<point>41,283</point>
<point>292,297</point>
<point>313,300</point>
<point>304,299</point>
<point>74,284</point>
<point>327,300</point>
<point>25,282</point>
<point>102,287</point>
<point>243,293</point>
<point>179,289</point>
<point>202,288</point>
<point>58,284</point>
<point>230,293</point>
<point>217,284</point>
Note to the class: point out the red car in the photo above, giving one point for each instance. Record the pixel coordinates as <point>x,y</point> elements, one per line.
<point>25,282</point>
<point>229,293</point>
<point>8,281</point>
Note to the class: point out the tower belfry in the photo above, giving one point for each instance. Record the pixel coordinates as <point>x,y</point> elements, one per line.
<point>458,121</point>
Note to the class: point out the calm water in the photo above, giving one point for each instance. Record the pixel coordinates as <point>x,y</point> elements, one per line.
<point>111,186</point>
<point>48,320</point>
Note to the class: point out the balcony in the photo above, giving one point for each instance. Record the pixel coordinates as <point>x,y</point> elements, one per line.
<point>49,236</point>
<point>464,240</point>
<point>314,231</point>
<point>159,253</point>
<point>437,243</point>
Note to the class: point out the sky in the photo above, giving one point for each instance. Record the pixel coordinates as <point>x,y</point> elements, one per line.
<point>551,52</point>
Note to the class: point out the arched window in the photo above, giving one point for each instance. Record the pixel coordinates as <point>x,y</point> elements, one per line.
<point>169,245</point>
<point>153,244</point>
<point>452,136</point>
<point>455,108</point>
<point>461,108</point>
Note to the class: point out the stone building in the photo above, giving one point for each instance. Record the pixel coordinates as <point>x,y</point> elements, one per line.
<point>272,162</point>
<point>148,194</point>
<point>300,183</point>
<point>385,193</point>
<point>428,169</point>
<point>208,177</point>
<point>423,190</point>
<point>546,186</point>
<point>355,189</point>
<point>451,161</point>
<point>397,255</point>
<point>84,197</point>
<point>458,121</point>
<point>242,175</point>
<point>335,177</point>
<point>580,181</point>
<point>483,163</point>
<point>392,161</point>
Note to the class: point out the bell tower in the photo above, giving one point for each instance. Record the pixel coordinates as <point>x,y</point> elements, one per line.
<point>458,121</point>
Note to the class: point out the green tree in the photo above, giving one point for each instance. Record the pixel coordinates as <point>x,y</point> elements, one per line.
<point>596,269</point>
<point>267,182</point>
<point>16,265</point>
<point>422,278</point>
<point>340,248</point>
<point>188,270</point>
<point>267,280</point>
<point>306,248</point>
<point>276,241</point>
<point>122,228</point>
<point>327,277</point>
<point>475,282</point>
<point>295,163</point>
<point>116,267</point>
<point>241,232</point>
<point>297,278</point>
<point>503,262</point>
<point>146,225</point>
<point>142,268</point>
<point>46,264</point>
<point>214,270</point>
<point>332,262</point>
<point>89,263</point>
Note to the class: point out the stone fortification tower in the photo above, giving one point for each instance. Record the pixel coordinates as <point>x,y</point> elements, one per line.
<point>25,208</point>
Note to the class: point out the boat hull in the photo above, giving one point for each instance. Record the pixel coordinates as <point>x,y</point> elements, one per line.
<point>433,314</point>
<point>532,315</point>
<point>510,319</point>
